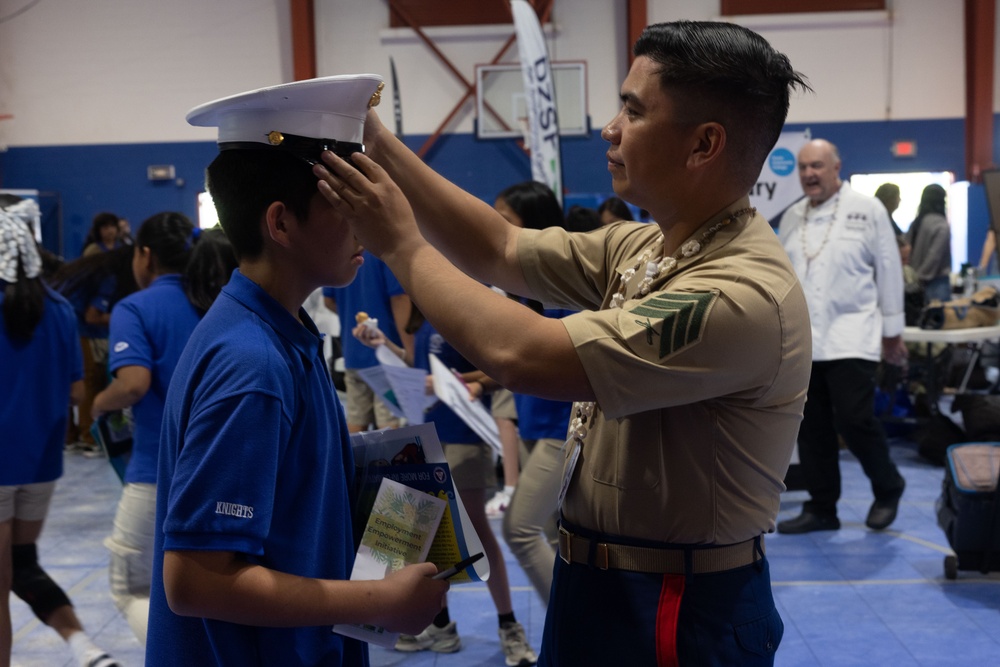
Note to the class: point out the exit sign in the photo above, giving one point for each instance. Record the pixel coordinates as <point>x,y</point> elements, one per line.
<point>907,148</point>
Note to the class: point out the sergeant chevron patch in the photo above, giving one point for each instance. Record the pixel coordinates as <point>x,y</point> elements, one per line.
<point>682,317</point>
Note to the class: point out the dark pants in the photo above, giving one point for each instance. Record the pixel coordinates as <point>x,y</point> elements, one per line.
<point>614,617</point>
<point>841,400</point>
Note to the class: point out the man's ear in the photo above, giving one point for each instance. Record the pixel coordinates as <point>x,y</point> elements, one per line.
<point>709,140</point>
<point>277,220</point>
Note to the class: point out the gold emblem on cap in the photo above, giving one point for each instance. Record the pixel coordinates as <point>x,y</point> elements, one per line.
<point>275,137</point>
<point>377,95</point>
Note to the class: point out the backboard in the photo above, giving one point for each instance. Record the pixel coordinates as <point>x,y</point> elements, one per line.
<point>501,108</point>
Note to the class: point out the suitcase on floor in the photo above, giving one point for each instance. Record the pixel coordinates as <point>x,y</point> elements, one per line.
<point>968,510</point>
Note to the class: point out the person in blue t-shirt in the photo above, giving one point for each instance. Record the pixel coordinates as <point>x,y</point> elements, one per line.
<point>42,364</point>
<point>377,293</point>
<point>254,538</point>
<point>179,271</point>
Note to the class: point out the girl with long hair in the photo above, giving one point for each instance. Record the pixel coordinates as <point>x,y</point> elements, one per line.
<point>180,271</point>
<point>40,361</point>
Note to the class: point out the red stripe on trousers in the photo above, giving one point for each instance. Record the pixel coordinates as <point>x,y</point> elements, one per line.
<point>667,615</point>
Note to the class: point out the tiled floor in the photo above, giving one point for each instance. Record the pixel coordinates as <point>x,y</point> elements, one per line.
<point>850,597</point>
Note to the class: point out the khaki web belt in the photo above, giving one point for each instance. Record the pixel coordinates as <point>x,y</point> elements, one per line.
<point>609,556</point>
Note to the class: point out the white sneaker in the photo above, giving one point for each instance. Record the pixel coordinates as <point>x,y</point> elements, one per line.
<point>497,505</point>
<point>438,640</point>
<point>515,646</point>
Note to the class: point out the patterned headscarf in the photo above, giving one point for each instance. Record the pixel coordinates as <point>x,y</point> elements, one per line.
<point>16,241</point>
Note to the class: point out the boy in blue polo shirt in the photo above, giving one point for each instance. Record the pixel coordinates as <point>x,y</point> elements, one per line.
<point>254,541</point>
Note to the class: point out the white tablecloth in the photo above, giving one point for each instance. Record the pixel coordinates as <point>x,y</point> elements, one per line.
<point>971,335</point>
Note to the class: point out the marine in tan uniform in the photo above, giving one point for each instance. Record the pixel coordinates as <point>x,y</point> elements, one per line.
<point>699,385</point>
<point>688,364</point>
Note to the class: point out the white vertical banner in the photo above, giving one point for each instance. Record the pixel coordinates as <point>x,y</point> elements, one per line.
<point>778,185</point>
<point>540,95</point>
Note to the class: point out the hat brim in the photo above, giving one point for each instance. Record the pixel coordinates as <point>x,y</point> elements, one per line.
<point>330,109</point>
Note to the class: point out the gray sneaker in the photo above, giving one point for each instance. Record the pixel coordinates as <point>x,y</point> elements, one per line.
<point>515,646</point>
<point>439,640</point>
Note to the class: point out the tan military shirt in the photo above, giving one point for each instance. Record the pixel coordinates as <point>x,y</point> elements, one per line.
<point>700,384</point>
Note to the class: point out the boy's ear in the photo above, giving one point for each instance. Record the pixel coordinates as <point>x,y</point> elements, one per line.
<point>277,220</point>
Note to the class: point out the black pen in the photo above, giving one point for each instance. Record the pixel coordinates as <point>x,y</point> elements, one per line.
<point>457,567</point>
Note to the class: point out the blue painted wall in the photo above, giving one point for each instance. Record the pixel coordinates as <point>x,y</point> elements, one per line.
<point>89,179</point>
<point>85,180</point>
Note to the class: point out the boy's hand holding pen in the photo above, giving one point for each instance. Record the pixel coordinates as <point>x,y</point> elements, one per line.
<point>458,567</point>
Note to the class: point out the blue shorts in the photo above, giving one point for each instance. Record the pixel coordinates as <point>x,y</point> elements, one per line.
<point>615,617</point>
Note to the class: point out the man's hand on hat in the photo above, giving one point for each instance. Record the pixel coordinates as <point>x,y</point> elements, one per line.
<point>369,200</point>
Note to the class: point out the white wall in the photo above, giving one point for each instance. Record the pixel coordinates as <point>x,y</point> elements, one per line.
<point>117,71</point>
<point>127,71</point>
<point>906,63</point>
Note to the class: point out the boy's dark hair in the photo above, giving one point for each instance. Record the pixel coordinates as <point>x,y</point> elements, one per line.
<point>728,74</point>
<point>534,203</point>
<point>243,183</point>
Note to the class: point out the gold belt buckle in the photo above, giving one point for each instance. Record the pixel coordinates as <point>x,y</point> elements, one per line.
<point>601,556</point>
<point>565,545</point>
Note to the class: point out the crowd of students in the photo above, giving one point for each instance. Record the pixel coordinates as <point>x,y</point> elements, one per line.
<point>128,307</point>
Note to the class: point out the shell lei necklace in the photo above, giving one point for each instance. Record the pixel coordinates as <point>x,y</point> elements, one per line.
<point>654,269</point>
<point>810,256</point>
